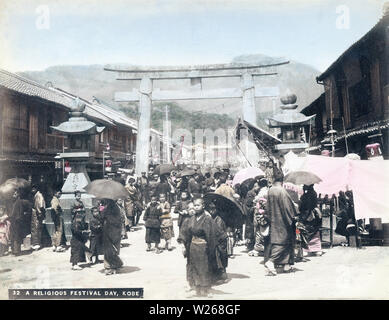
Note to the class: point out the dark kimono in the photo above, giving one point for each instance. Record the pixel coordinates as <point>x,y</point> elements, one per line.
<point>79,236</point>
<point>96,237</point>
<point>194,188</point>
<point>249,232</point>
<point>57,238</point>
<point>200,240</point>
<point>221,247</point>
<point>20,213</point>
<point>310,216</point>
<point>281,213</point>
<point>180,207</point>
<point>112,234</point>
<point>152,223</point>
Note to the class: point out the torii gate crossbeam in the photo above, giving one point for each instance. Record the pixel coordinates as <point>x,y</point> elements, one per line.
<point>146,95</point>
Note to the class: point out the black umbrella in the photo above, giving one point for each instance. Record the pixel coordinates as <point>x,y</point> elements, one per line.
<point>228,208</point>
<point>164,169</point>
<point>107,189</point>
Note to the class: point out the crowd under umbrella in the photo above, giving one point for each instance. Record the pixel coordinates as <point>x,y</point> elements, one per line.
<point>106,189</point>
<point>228,208</point>
<point>9,186</point>
<point>165,168</point>
<point>247,173</point>
<point>302,177</point>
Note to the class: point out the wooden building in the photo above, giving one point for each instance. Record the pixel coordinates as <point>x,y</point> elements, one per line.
<point>28,145</point>
<point>355,102</point>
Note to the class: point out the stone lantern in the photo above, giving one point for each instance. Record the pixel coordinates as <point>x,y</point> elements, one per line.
<point>291,124</point>
<point>80,135</point>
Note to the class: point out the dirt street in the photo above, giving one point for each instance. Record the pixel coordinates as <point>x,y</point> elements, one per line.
<point>341,273</point>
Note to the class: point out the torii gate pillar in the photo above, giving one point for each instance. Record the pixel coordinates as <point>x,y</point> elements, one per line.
<point>248,89</point>
<point>143,137</point>
<point>249,114</point>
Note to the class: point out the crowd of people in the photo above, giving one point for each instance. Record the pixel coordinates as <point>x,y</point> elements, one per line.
<point>277,226</point>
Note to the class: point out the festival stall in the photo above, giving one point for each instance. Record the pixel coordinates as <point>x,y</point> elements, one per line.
<point>367,180</point>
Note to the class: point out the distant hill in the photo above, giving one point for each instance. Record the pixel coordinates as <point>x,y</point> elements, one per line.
<point>91,80</point>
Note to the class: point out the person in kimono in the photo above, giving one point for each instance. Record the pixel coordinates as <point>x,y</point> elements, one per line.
<point>96,236</point>
<point>221,255</point>
<point>79,228</point>
<point>38,215</point>
<point>281,212</point>
<point>182,208</point>
<point>153,224</point>
<point>57,238</point>
<point>144,188</point>
<point>167,232</point>
<point>20,212</point>
<point>111,220</point>
<point>132,203</point>
<point>198,237</point>
<point>310,217</point>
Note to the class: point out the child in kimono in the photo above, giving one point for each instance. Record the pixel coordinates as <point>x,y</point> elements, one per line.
<point>182,208</point>
<point>153,224</point>
<point>96,235</point>
<point>167,232</point>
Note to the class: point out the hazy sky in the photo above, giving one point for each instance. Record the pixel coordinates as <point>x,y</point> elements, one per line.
<point>36,34</point>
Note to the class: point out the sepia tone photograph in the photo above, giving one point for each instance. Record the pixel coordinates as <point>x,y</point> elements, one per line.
<point>194,150</point>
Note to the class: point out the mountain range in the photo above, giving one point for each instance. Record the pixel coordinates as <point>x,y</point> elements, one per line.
<point>87,81</point>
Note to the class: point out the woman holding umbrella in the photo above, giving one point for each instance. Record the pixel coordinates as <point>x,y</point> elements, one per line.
<point>112,228</point>
<point>310,218</point>
<point>109,191</point>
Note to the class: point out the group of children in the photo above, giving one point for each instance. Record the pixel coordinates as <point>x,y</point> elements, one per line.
<point>81,233</point>
<point>158,223</point>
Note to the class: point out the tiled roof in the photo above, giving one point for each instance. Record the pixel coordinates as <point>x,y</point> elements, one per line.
<point>383,22</point>
<point>31,88</point>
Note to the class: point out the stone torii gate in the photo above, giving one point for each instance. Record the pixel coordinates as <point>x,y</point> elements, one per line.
<point>146,94</point>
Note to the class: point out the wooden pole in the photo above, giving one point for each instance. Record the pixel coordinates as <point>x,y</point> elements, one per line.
<point>345,136</point>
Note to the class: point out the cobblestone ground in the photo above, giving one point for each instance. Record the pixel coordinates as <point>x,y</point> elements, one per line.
<point>341,273</point>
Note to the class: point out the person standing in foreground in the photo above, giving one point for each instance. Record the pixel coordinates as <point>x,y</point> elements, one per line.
<point>79,233</point>
<point>96,236</point>
<point>38,215</point>
<point>281,213</point>
<point>112,234</point>
<point>57,238</point>
<point>153,224</point>
<point>221,247</point>
<point>167,232</point>
<point>198,235</point>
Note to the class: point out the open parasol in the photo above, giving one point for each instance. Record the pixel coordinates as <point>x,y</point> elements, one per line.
<point>228,208</point>
<point>247,173</point>
<point>302,177</point>
<point>164,169</point>
<point>106,189</point>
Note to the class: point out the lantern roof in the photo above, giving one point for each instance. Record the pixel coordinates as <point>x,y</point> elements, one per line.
<point>289,115</point>
<point>77,124</point>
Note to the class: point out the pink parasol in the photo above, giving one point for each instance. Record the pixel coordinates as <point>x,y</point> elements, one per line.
<point>247,173</point>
